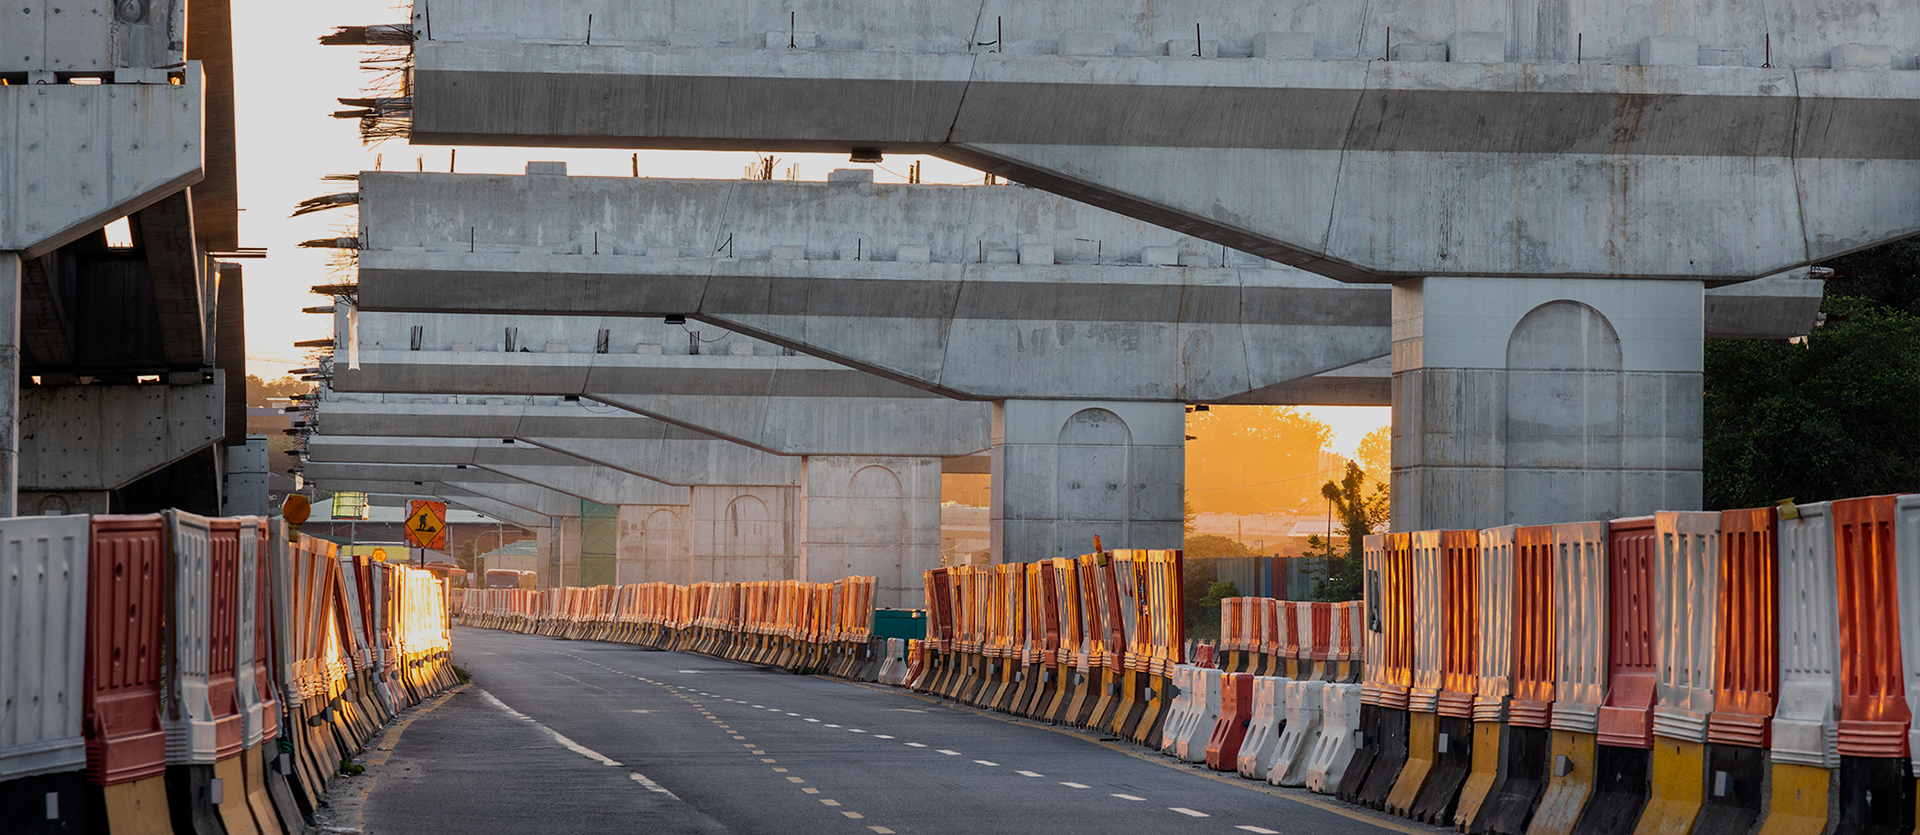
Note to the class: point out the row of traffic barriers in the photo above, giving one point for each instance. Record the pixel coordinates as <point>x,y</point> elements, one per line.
<point>1279,702</point>
<point>1089,642</point>
<point>176,673</point>
<point>1687,672</point>
<point>804,627</point>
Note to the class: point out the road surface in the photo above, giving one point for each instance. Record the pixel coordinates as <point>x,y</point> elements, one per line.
<point>582,737</point>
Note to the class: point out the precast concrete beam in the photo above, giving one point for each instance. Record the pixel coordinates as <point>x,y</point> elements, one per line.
<point>531,497</point>
<point>104,437</point>
<point>79,156</point>
<point>586,430</point>
<point>976,293</point>
<point>535,465</point>
<point>439,492</point>
<point>720,383</point>
<point>1363,143</point>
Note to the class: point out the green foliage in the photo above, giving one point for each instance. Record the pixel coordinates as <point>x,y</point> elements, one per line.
<point>1210,602</point>
<point>1359,511</point>
<point>1833,417</point>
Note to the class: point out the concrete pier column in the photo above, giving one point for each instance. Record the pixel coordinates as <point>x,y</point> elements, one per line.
<point>875,516</point>
<point>653,545</point>
<point>743,533</point>
<point>1529,401</point>
<point>1066,471</point>
<point>562,550</point>
<point>10,269</point>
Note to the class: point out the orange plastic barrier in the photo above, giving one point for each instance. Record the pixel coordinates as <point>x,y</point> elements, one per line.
<point>1874,714</point>
<point>1533,639</point>
<point>1749,645</point>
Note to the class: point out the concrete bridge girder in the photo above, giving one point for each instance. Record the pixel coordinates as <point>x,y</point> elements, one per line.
<point>1457,122</point>
<point>537,465</point>
<point>992,280</point>
<point>597,432</point>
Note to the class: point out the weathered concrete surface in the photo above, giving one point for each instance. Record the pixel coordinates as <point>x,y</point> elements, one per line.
<point>1500,139</point>
<point>76,157</point>
<point>1067,471</point>
<point>103,437</point>
<point>874,516</point>
<point>977,293</point>
<point>1525,401</point>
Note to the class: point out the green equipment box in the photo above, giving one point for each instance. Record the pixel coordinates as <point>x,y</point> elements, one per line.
<point>900,623</point>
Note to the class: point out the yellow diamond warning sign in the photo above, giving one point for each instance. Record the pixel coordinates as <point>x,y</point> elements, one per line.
<point>427,525</point>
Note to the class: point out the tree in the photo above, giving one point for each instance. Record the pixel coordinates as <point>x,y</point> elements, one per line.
<point>1374,455</point>
<point>1833,415</point>
<point>1210,602</point>
<point>1358,513</point>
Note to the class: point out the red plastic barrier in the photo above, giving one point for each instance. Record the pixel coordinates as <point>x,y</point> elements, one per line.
<point>1533,638</point>
<point>1230,729</point>
<point>223,568</point>
<point>1749,645</point>
<point>1874,714</point>
<point>1284,626</point>
<point>1626,719</point>
<point>126,602</point>
<point>1460,622</point>
<point>1323,635</point>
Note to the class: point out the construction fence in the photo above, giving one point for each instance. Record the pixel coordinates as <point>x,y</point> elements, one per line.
<point>175,672</point>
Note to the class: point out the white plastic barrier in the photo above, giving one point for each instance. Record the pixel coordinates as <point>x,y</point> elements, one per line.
<point>1184,682</point>
<point>1496,625</point>
<point>1339,719</point>
<point>1906,544</point>
<point>1580,625</point>
<point>1288,764</point>
<point>1263,731</point>
<point>1427,625</point>
<point>188,722</point>
<point>251,621</point>
<point>1197,730</point>
<point>1687,599</point>
<point>43,630</point>
<point>1804,728</point>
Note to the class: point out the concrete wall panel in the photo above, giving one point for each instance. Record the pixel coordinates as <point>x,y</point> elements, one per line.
<point>81,156</point>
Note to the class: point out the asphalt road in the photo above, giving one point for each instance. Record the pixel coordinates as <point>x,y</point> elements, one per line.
<point>559,736</point>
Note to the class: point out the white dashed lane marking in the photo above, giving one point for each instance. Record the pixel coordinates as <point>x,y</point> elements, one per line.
<point>948,753</point>
<point>1259,830</point>
<point>1188,812</point>
<point>1030,774</point>
<point>1128,797</point>
<point>913,745</point>
<point>984,762</point>
<point>1076,785</point>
